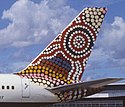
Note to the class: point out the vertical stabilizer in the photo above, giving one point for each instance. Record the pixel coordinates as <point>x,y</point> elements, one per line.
<point>64,60</point>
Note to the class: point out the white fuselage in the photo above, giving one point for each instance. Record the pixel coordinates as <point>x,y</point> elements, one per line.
<point>13,88</point>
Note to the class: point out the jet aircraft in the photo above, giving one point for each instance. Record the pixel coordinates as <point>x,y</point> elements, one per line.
<point>54,76</point>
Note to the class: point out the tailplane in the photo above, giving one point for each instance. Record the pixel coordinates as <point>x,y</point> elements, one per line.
<point>64,60</point>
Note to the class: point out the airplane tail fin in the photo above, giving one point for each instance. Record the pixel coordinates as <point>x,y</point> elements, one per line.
<point>65,58</point>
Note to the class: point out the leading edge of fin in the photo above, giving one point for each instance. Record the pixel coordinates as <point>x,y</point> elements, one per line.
<point>63,61</point>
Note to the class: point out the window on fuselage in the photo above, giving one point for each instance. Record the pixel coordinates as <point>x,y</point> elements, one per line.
<point>3,87</point>
<point>8,87</point>
<point>12,87</point>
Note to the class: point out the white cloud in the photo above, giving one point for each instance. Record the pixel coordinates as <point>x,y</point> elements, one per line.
<point>114,37</point>
<point>31,23</point>
<point>110,46</point>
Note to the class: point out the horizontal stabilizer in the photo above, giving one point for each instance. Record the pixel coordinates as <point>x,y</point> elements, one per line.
<point>89,84</point>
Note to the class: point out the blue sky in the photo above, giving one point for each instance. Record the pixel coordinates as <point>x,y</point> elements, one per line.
<point>27,26</point>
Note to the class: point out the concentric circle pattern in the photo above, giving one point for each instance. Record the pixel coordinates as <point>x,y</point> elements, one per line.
<point>78,41</point>
<point>64,60</point>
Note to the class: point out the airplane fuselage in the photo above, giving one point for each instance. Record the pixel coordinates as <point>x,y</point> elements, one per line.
<point>13,88</point>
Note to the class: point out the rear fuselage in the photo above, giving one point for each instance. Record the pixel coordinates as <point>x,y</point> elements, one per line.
<point>13,88</point>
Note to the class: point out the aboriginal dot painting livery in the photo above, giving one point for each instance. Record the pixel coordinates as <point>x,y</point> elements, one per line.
<point>64,60</point>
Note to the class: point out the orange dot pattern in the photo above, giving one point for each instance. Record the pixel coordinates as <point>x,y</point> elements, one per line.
<point>64,60</point>
<point>50,73</point>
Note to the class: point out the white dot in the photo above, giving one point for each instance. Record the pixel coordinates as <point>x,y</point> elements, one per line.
<point>92,16</point>
<point>95,13</point>
<point>87,19</point>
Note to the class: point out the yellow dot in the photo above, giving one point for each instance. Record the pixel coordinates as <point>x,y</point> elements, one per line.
<point>53,72</point>
<point>28,67</point>
<point>50,74</point>
<point>30,70</point>
<point>53,75</point>
<point>46,72</point>
<point>35,67</point>
<point>60,75</point>
<point>43,67</point>
<point>68,82</point>
<point>47,69</point>
<point>57,77</point>
<point>38,71</point>
<point>39,67</point>
<point>34,71</point>
<point>50,70</point>
<point>57,74</point>
<point>43,71</point>
<point>22,72</point>
<point>31,67</point>
<point>63,78</point>
<point>27,71</point>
